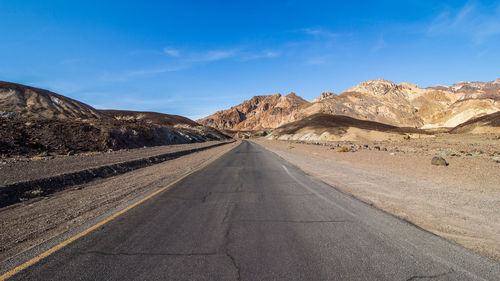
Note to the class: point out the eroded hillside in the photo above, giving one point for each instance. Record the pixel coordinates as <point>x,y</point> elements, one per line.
<point>402,105</point>
<point>36,121</point>
<point>260,112</point>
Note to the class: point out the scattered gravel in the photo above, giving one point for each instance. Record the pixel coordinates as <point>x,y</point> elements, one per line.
<point>44,166</point>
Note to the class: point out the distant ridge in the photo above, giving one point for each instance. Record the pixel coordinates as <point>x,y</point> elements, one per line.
<point>379,100</point>
<point>260,112</point>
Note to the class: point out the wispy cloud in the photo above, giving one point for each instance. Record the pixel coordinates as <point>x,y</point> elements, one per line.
<point>318,32</point>
<point>476,22</point>
<point>156,70</point>
<point>171,52</point>
<point>134,103</point>
<point>185,59</point>
<point>124,76</point>
<point>260,55</point>
<point>216,55</point>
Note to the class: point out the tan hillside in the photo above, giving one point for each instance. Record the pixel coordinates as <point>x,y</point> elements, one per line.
<point>401,105</point>
<point>406,104</point>
<point>260,112</point>
<point>24,101</point>
<point>485,124</point>
<point>327,127</point>
<point>376,100</point>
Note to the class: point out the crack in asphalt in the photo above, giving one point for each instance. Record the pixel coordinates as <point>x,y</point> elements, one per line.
<point>429,276</point>
<point>226,214</point>
<point>227,241</point>
<point>235,265</point>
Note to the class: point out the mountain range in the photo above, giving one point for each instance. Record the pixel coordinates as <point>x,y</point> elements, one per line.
<point>34,120</point>
<point>401,105</point>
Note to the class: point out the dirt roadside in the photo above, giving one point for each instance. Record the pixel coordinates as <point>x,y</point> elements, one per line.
<point>19,169</point>
<point>31,179</point>
<point>459,202</point>
<point>26,224</point>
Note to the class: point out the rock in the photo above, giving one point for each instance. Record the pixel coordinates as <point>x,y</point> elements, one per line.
<point>439,161</point>
<point>496,159</point>
<point>70,153</point>
<point>42,156</point>
<point>392,153</point>
<point>343,149</point>
<point>376,147</point>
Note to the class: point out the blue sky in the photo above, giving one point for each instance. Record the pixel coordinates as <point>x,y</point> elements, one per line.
<point>195,57</point>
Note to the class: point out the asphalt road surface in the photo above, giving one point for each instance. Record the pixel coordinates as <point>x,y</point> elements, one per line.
<point>250,215</point>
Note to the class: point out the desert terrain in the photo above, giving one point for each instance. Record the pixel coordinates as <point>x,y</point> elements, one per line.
<point>250,140</point>
<point>382,157</point>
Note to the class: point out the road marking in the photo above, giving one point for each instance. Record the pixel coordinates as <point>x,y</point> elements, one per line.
<point>59,246</point>
<point>317,193</point>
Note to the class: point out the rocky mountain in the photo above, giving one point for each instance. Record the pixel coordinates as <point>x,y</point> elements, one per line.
<point>406,104</point>
<point>24,101</point>
<point>401,105</point>
<point>324,96</point>
<point>260,112</point>
<point>34,120</point>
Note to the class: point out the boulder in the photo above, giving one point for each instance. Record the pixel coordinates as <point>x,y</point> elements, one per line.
<point>439,161</point>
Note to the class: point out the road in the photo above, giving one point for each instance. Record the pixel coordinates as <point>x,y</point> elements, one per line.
<point>250,215</point>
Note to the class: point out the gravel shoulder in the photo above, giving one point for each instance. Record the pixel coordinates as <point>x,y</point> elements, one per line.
<point>29,223</point>
<point>20,169</point>
<point>459,202</point>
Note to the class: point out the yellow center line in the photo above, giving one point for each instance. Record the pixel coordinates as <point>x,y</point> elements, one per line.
<point>96,226</point>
